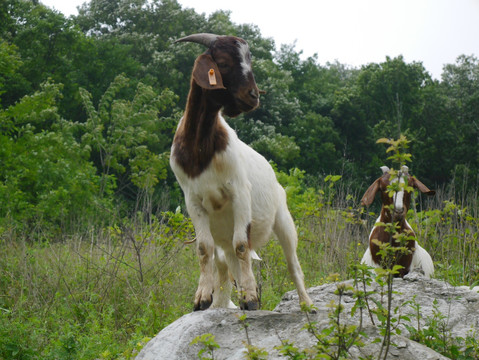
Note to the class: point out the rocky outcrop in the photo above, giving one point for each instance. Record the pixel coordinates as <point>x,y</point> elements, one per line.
<point>266,329</point>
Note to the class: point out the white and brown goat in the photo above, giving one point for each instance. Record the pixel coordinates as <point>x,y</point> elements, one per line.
<point>231,191</point>
<point>394,209</point>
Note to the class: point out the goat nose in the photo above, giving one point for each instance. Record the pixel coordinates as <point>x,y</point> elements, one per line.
<point>254,94</point>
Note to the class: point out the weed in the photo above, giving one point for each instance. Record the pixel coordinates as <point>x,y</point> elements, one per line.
<point>208,346</point>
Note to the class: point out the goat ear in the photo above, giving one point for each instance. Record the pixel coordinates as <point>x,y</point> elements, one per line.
<point>421,187</point>
<point>206,73</point>
<point>370,193</point>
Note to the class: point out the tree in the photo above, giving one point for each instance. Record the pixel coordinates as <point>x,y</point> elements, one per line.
<point>320,144</point>
<point>460,85</point>
<point>391,91</point>
<point>9,63</point>
<point>46,178</point>
<point>128,137</point>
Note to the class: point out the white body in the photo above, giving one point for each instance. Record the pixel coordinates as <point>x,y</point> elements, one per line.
<point>238,188</point>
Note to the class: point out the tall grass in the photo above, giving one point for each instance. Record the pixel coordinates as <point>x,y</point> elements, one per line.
<point>448,226</point>
<point>102,293</point>
<point>94,295</point>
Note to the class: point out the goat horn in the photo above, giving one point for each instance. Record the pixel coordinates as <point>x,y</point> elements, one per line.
<point>201,38</point>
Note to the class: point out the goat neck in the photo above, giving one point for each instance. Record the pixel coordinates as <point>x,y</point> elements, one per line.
<point>200,134</point>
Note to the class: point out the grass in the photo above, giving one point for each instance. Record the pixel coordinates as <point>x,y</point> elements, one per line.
<point>102,294</point>
<point>93,296</point>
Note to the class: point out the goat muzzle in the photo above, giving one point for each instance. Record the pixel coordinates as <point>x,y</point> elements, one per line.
<point>248,99</point>
<point>398,214</point>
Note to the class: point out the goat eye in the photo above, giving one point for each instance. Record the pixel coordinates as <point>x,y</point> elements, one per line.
<point>223,66</point>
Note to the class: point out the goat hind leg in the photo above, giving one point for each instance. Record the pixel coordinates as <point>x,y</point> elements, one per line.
<point>223,284</point>
<point>285,230</point>
<point>240,262</point>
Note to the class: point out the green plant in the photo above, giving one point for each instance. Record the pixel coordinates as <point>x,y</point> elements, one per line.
<point>252,352</point>
<point>436,335</point>
<point>288,349</point>
<point>334,341</point>
<point>208,344</point>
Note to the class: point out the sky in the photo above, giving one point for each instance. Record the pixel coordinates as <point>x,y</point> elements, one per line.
<point>353,32</point>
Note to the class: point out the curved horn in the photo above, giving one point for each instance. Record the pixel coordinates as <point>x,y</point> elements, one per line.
<point>201,38</point>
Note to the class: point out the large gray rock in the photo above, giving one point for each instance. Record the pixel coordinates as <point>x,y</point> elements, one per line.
<point>459,305</point>
<point>266,329</point>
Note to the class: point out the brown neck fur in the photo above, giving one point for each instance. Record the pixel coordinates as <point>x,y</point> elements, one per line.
<point>380,234</point>
<point>200,135</point>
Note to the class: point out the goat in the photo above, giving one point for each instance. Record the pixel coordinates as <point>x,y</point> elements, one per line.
<point>416,257</point>
<point>231,192</point>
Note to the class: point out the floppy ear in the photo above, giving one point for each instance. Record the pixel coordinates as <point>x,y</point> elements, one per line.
<point>370,193</point>
<point>421,187</point>
<point>206,73</point>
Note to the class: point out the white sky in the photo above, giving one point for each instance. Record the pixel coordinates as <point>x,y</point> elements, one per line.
<point>354,32</point>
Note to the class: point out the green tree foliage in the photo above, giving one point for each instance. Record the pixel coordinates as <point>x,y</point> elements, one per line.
<point>390,91</point>
<point>461,89</point>
<point>46,179</point>
<point>9,63</point>
<point>128,136</point>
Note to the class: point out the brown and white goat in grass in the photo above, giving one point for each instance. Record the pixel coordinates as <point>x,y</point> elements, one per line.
<point>231,191</point>
<point>416,257</point>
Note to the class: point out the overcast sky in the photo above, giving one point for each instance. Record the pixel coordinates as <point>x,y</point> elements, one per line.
<point>354,32</point>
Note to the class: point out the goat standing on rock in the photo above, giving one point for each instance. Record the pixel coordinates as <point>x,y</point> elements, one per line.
<point>231,191</point>
<point>416,257</point>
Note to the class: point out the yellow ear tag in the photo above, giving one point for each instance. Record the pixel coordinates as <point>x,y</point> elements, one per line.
<point>212,77</point>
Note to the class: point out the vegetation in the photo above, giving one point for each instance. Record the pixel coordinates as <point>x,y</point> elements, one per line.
<point>93,259</point>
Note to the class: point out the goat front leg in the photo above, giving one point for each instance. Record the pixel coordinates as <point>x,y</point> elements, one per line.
<point>205,250</point>
<point>204,294</point>
<point>242,271</point>
<point>247,288</point>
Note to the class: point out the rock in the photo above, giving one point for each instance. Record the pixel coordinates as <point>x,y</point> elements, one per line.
<point>459,305</point>
<point>267,329</point>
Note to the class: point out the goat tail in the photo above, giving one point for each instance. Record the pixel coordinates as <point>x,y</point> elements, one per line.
<point>422,260</point>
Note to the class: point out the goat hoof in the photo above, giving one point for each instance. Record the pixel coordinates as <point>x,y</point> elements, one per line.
<point>202,305</point>
<point>250,305</point>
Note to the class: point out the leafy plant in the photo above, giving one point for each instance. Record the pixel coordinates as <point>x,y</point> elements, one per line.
<point>252,352</point>
<point>208,343</point>
<point>436,335</point>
